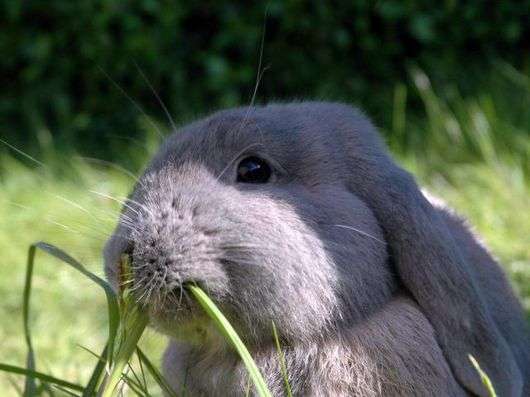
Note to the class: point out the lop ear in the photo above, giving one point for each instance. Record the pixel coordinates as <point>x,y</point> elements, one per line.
<point>429,262</point>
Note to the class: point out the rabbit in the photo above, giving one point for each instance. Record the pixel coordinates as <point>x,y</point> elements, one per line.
<point>295,214</point>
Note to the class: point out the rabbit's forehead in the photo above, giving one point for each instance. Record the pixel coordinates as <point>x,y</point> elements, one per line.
<point>217,142</point>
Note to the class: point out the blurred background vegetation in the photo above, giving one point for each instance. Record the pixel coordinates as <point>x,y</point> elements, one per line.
<point>447,82</point>
<point>201,56</point>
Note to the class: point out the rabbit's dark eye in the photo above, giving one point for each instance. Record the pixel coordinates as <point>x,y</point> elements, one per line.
<point>253,170</point>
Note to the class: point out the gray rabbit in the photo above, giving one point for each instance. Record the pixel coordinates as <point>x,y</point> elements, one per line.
<point>296,214</point>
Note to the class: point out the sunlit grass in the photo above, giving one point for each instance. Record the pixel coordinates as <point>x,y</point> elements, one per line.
<point>67,311</point>
<point>113,371</point>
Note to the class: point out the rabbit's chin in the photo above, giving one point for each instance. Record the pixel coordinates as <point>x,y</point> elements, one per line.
<point>177,315</point>
<point>192,328</point>
<point>181,318</point>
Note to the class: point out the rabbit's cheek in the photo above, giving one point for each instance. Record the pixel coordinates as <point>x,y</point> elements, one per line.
<point>279,271</point>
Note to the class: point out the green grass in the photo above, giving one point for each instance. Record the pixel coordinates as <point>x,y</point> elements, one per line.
<point>115,367</point>
<point>473,152</point>
<point>68,311</point>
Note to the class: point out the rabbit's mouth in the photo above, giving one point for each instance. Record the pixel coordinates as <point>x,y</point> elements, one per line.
<point>176,314</point>
<point>163,292</point>
<point>165,299</point>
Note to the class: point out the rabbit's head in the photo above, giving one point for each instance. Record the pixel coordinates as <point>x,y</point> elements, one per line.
<point>253,206</point>
<point>295,213</point>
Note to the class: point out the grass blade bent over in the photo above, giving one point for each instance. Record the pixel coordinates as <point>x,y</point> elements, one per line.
<point>231,335</point>
<point>112,300</point>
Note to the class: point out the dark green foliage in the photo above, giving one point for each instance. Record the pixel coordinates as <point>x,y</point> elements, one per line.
<point>201,56</point>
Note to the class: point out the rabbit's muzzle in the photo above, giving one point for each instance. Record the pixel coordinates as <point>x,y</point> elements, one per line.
<point>170,249</point>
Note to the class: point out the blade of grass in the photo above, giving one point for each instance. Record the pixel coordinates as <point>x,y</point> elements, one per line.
<point>281,356</point>
<point>30,388</point>
<point>66,391</point>
<point>89,351</point>
<point>231,335</point>
<point>157,376</point>
<point>135,377</point>
<point>124,353</point>
<point>137,388</point>
<point>13,369</point>
<point>142,372</point>
<point>97,375</point>
<point>483,377</point>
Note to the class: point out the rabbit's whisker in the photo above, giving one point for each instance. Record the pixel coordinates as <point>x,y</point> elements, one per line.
<point>135,104</point>
<point>113,165</point>
<point>22,153</point>
<point>363,233</point>
<point>162,104</point>
<point>235,158</point>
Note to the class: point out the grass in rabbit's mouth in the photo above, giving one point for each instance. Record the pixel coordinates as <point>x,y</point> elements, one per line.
<point>127,322</point>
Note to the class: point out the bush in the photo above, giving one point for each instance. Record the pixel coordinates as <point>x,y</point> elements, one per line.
<point>204,55</point>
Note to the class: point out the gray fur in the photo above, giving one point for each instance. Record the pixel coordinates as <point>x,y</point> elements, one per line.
<point>373,290</point>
